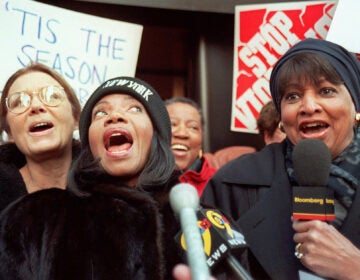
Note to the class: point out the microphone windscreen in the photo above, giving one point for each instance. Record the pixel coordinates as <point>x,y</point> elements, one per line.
<point>311,160</point>
<point>182,196</point>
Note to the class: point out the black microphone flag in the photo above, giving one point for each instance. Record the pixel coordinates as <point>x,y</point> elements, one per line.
<point>218,235</point>
<point>312,199</point>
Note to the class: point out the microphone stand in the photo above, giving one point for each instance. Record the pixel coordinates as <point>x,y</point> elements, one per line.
<point>237,268</point>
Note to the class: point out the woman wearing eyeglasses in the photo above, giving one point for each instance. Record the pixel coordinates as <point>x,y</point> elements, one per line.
<point>39,112</point>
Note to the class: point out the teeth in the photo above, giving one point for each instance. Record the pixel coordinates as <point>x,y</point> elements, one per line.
<point>179,147</point>
<point>40,124</point>
<point>311,125</point>
<point>116,134</point>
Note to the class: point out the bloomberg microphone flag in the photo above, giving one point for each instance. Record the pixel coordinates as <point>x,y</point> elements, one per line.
<point>263,33</point>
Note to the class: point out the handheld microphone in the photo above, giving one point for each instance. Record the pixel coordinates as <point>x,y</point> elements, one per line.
<point>220,238</point>
<point>184,200</point>
<point>312,199</point>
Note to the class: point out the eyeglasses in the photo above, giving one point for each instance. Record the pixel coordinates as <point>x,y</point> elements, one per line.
<point>19,102</point>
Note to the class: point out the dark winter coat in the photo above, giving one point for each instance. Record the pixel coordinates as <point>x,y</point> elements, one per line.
<point>115,233</point>
<point>256,192</point>
<point>12,185</point>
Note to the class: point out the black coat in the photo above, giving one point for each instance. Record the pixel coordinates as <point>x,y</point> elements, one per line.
<point>115,233</point>
<point>255,191</point>
<point>12,185</point>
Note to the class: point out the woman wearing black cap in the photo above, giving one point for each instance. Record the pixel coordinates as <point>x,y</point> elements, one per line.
<point>114,221</point>
<point>316,88</point>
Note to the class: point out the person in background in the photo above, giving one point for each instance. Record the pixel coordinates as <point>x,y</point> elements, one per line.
<point>315,87</point>
<point>268,124</point>
<point>39,112</point>
<point>187,125</point>
<point>114,221</point>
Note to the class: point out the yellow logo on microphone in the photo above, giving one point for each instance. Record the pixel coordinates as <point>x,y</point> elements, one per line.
<point>219,221</point>
<point>214,219</point>
<point>204,226</point>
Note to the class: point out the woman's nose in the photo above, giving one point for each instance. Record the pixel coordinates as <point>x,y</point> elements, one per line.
<point>36,105</point>
<point>180,131</point>
<point>115,117</point>
<point>310,105</point>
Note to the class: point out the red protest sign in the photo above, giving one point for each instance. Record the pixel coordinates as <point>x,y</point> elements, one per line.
<point>262,34</point>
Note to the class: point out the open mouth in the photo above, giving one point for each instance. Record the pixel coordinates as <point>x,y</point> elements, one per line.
<point>313,127</point>
<point>179,147</point>
<point>118,141</point>
<point>41,127</point>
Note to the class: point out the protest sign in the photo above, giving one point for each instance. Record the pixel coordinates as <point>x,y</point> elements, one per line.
<point>263,33</point>
<point>346,18</point>
<point>85,49</point>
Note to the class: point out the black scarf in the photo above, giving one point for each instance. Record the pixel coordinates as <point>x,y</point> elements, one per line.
<point>344,176</point>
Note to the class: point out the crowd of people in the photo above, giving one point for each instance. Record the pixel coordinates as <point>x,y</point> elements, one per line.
<point>98,208</point>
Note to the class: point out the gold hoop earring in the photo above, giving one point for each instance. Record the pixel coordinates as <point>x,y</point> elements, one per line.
<point>357,119</point>
<point>200,153</point>
<point>281,126</point>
